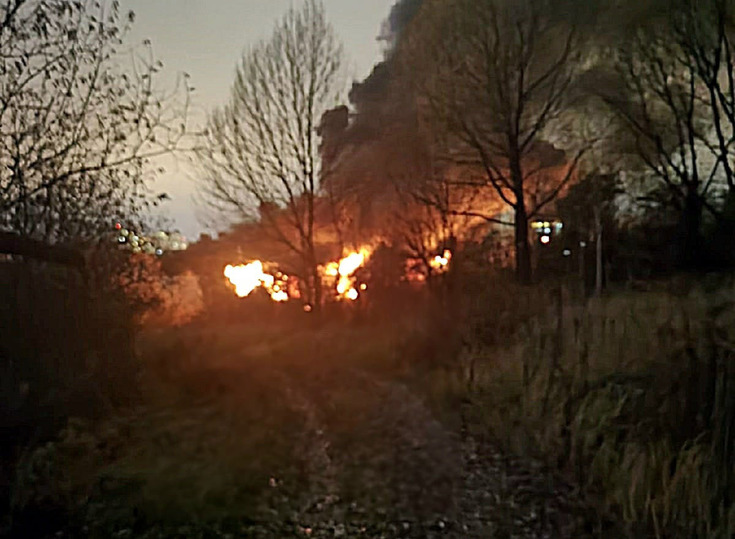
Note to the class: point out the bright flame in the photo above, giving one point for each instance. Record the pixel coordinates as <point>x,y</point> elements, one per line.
<point>246,278</point>
<point>344,270</point>
<point>350,264</point>
<point>441,263</point>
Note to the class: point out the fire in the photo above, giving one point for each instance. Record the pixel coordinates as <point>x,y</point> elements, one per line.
<point>440,263</point>
<point>344,271</point>
<point>341,274</point>
<point>247,277</point>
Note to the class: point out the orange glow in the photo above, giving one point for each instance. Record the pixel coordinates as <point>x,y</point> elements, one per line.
<point>247,277</point>
<point>344,272</point>
<point>339,275</point>
<point>441,263</point>
<point>349,264</point>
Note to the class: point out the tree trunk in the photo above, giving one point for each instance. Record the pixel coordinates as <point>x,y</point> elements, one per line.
<point>598,252</point>
<point>522,245</point>
<point>689,244</point>
<point>317,291</point>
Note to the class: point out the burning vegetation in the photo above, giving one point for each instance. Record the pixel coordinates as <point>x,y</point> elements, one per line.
<point>344,272</point>
<point>340,277</point>
<point>247,277</point>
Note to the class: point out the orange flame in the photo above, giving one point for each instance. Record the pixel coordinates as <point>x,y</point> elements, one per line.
<point>344,270</point>
<point>441,263</point>
<point>247,277</point>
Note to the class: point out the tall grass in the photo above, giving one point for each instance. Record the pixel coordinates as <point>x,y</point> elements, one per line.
<point>632,396</point>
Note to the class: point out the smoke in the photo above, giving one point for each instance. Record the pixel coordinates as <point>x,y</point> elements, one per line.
<point>401,15</point>
<point>602,21</point>
<point>369,93</point>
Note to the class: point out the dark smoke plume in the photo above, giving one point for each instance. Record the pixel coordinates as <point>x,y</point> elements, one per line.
<point>401,15</point>
<point>368,94</point>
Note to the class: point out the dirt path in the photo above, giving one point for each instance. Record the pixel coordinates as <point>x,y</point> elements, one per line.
<point>381,465</point>
<point>257,442</point>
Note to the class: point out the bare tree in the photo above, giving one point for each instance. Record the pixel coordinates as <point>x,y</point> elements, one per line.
<point>434,211</point>
<point>705,31</point>
<point>674,89</point>
<point>262,153</point>
<point>496,74</point>
<point>79,118</point>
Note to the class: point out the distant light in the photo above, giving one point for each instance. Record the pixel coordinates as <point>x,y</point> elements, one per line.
<point>121,239</point>
<point>363,286</point>
<point>159,251</point>
<point>547,230</point>
<point>118,226</point>
<point>566,252</point>
<point>545,239</point>
<point>583,244</point>
<point>352,294</point>
<point>307,308</point>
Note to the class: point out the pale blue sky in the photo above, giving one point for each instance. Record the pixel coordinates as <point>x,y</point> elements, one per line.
<point>205,38</point>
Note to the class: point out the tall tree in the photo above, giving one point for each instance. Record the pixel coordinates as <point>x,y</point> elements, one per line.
<point>79,119</point>
<point>261,155</point>
<point>674,89</point>
<point>496,74</point>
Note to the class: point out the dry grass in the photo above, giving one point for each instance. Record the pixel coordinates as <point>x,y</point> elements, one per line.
<point>632,396</point>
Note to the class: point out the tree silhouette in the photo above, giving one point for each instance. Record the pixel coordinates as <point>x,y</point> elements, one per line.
<point>262,150</point>
<point>79,119</point>
<point>494,76</point>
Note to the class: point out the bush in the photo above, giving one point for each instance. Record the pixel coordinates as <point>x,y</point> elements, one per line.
<point>66,349</point>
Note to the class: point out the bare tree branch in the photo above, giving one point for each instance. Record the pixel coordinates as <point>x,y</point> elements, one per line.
<point>261,154</point>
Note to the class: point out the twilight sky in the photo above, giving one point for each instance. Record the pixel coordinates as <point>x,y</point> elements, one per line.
<point>205,38</point>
